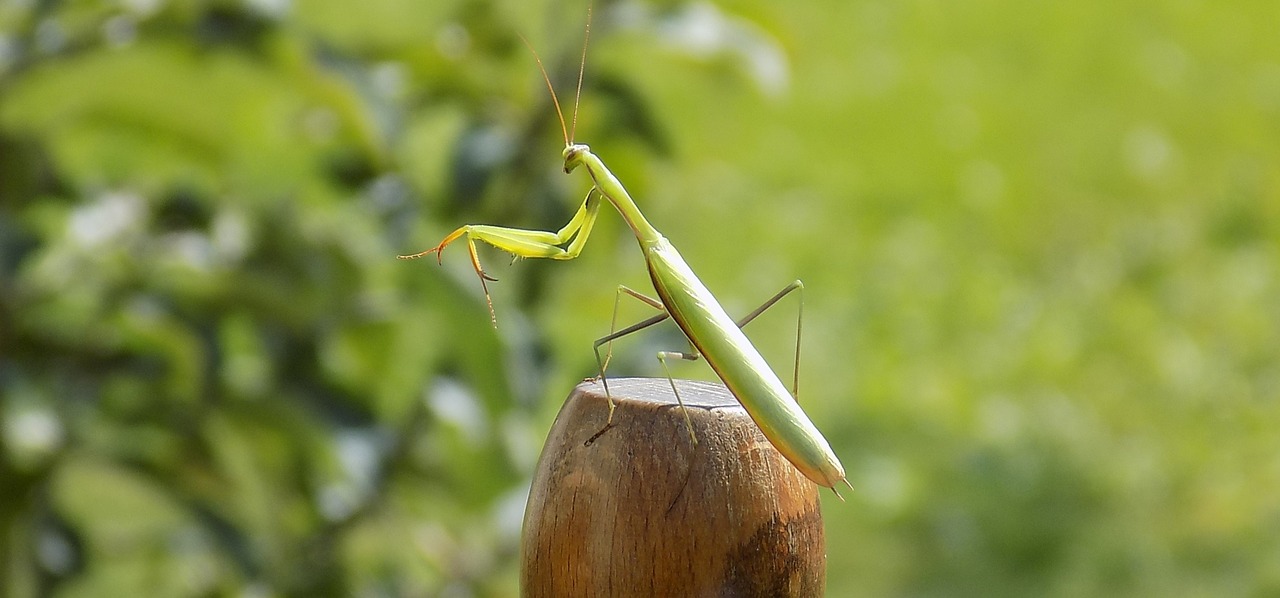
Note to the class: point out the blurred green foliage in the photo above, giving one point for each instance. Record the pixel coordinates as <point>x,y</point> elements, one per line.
<point>1041,244</point>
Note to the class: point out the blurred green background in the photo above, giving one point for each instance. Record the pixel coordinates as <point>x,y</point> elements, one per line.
<point>1041,244</point>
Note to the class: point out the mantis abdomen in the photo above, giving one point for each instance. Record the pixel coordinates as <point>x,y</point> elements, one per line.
<point>740,366</point>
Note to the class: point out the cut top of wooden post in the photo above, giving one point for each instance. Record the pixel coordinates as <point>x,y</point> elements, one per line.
<point>642,511</point>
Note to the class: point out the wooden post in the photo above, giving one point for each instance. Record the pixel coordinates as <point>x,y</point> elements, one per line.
<point>642,511</point>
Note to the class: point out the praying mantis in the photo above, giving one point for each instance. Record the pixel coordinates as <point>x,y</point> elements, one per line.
<point>712,334</point>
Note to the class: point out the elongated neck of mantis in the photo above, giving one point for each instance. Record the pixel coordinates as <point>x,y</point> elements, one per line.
<point>621,200</point>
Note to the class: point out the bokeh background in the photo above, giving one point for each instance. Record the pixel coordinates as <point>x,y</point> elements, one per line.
<point>1040,244</point>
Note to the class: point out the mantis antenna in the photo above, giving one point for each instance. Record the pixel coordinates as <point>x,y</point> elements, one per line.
<point>552,89</point>
<point>582,66</point>
<point>570,133</point>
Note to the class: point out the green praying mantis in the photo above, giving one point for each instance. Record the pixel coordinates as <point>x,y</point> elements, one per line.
<point>681,296</point>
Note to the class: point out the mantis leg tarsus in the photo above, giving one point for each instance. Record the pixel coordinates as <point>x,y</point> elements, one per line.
<point>608,422</point>
<point>488,301</point>
<point>438,249</point>
<point>597,435</point>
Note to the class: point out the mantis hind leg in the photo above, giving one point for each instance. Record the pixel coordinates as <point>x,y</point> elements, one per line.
<point>795,368</point>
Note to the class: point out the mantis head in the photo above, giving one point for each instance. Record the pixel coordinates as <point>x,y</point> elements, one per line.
<point>573,154</point>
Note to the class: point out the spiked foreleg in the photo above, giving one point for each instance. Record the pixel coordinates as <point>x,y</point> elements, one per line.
<point>522,242</point>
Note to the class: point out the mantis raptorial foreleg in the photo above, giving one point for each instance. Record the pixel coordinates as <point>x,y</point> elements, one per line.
<point>693,354</point>
<point>523,243</point>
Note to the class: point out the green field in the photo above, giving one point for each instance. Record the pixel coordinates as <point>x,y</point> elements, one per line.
<point>1040,244</point>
